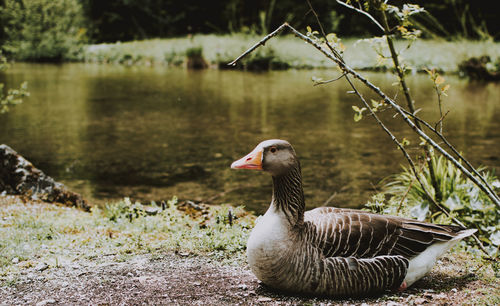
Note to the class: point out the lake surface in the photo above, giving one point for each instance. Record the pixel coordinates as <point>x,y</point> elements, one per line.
<point>150,133</point>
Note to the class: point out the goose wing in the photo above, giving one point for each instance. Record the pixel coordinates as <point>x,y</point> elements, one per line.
<point>364,276</point>
<point>341,232</point>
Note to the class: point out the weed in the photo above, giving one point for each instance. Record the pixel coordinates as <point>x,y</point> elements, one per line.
<point>403,195</point>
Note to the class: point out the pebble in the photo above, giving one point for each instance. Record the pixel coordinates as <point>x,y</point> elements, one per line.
<point>197,283</point>
<point>454,290</point>
<point>420,301</point>
<point>242,287</point>
<point>15,260</point>
<point>41,267</point>
<point>264,299</point>
<point>45,302</point>
<point>129,274</point>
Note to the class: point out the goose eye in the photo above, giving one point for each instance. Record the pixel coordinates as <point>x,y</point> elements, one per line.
<point>273,149</point>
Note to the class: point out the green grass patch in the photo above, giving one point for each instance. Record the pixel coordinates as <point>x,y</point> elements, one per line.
<point>37,232</point>
<point>359,54</point>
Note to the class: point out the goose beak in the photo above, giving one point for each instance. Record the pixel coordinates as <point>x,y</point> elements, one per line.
<point>251,161</point>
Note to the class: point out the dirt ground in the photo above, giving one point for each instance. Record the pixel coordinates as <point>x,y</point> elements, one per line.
<point>174,279</point>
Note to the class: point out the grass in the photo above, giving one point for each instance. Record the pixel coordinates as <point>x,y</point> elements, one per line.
<point>217,49</point>
<point>34,233</point>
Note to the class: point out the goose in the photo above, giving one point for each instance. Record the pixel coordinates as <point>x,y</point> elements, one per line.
<point>334,251</point>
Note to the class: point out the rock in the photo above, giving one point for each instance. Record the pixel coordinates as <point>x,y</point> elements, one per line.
<point>45,302</point>
<point>41,267</point>
<point>19,176</point>
<point>151,211</point>
<point>264,299</point>
<point>242,287</point>
<point>15,260</point>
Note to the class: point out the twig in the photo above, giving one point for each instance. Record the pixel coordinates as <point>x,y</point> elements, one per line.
<point>440,121</point>
<point>262,42</point>
<point>363,13</point>
<point>405,194</point>
<point>441,136</point>
<point>330,199</point>
<point>397,108</point>
<point>329,81</point>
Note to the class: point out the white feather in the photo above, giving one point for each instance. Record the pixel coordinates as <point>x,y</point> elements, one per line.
<point>423,263</point>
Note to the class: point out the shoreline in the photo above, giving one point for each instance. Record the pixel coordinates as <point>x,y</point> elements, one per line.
<point>55,255</point>
<point>285,52</point>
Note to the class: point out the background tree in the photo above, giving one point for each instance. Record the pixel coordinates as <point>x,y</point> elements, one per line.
<point>42,30</point>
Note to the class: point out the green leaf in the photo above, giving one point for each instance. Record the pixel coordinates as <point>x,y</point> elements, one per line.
<point>358,116</point>
<point>405,142</point>
<point>356,109</point>
<point>309,30</point>
<point>331,37</point>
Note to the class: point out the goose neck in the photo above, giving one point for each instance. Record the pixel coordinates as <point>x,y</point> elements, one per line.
<point>288,195</point>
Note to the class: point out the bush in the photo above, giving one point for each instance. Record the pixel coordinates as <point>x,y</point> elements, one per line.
<point>43,30</point>
<point>12,96</point>
<point>403,195</point>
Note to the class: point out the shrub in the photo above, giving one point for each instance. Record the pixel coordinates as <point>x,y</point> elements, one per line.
<point>403,195</point>
<point>43,30</point>
<point>12,96</point>
<point>195,58</point>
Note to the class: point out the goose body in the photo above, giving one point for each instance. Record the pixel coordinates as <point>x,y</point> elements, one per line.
<point>334,251</point>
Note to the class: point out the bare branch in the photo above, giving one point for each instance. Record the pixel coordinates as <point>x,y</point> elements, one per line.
<point>262,42</point>
<point>329,81</point>
<point>440,121</point>
<point>441,136</point>
<point>388,100</point>
<point>362,12</point>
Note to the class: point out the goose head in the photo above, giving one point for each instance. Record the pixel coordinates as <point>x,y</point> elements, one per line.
<point>275,156</point>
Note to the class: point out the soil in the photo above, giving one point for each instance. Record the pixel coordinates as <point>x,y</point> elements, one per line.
<point>175,279</point>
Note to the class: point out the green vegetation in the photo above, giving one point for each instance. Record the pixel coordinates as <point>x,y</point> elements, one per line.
<point>403,195</point>
<point>221,49</point>
<point>481,68</point>
<point>38,232</point>
<point>42,30</point>
<point>12,96</point>
<point>143,19</point>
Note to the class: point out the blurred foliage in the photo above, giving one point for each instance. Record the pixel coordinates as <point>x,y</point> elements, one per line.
<point>42,30</point>
<point>12,96</point>
<point>126,20</point>
<point>403,195</point>
<point>481,68</point>
<point>53,30</point>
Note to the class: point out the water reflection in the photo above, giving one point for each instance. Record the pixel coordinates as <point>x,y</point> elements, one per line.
<point>150,133</point>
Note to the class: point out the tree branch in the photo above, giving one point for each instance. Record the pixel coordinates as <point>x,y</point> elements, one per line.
<point>363,13</point>
<point>379,92</point>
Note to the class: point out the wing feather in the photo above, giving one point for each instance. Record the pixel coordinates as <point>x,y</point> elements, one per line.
<point>360,234</point>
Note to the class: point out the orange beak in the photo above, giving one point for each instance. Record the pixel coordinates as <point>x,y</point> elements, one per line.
<point>251,161</point>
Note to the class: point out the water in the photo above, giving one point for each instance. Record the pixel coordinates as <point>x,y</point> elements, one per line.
<point>152,133</point>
